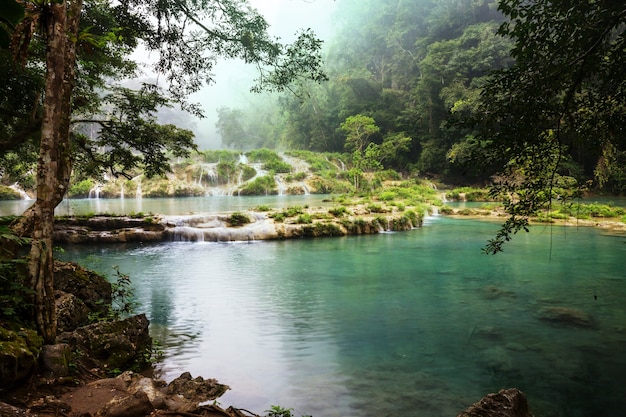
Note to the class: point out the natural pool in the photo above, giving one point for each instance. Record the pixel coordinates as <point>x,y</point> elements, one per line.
<point>418,323</point>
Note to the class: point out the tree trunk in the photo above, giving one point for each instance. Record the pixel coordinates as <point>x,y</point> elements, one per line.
<point>54,164</point>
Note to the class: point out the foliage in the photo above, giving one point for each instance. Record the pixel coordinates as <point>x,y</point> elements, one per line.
<point>7,193</point>
<point>563,96</point>
<point>338,211</point>
<point>81,189</point>
<point>238,219</point>
<point>214,156</point>
<point>259,186</point>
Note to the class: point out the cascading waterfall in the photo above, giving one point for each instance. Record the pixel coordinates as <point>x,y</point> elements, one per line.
<point>15,187</point>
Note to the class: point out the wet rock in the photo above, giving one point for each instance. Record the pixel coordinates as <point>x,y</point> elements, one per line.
<point>104,229</point>
<point>113,345</point>
<point>55,359</point>
<point>506,403</point>
<point>566,316</point>
<point>18,356</point>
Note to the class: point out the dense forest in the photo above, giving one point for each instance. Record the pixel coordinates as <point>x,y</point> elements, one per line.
<point>419,72</point>
<point>405,66</point>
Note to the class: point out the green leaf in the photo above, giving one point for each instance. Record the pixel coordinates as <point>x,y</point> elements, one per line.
<point>11,12</point>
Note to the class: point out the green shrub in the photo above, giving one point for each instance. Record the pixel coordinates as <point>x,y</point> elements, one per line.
<point>338,211</point>
<point>376,208</point>
<point>277,166</point>
<point>248,172</point>
<point>305,219</point>
<point>446,210</point>
<point>238,219</point>
<point>260,186</point>
<point>81,189</point>
<point>293,211</point>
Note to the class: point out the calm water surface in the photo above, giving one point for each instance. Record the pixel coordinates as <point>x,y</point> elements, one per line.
<point>417,323</point>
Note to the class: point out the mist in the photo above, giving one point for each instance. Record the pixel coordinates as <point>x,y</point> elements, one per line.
<point>233,79</point>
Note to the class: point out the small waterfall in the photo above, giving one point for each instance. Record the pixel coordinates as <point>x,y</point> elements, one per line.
<point>95,192</point>
<point>199,182</point>
<point>243,159</point>
<point>305,189</point>
<point>122,191</point>
<point>138,191</point>
<point>279,185</point>
<point>443,197</point>
<point>188,234</point>
<point>15,187</point>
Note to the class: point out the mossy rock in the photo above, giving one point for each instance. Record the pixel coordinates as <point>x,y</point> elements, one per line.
<point>19,351</point>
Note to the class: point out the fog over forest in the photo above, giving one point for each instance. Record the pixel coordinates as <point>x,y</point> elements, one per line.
<point>234,78</point>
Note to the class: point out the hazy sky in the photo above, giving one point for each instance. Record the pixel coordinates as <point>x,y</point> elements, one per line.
<point>233,79</point>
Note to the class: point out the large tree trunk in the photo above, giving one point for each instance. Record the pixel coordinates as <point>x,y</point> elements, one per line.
<point>54,164</point>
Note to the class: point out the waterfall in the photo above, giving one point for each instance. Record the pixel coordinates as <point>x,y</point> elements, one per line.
<point>243,159</point>
<point>188,234</point>
<point>305,189</point>
<point>95,191</point>
<point>200,177</point>
<point>279,184</point>
<point>122,191</point>
<point>15,187</point>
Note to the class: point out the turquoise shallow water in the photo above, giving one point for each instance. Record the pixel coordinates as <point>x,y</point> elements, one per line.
<point>417,323</point>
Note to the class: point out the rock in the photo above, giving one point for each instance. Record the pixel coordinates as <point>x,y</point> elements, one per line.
<point>197,388</point>
<point>491,292</point>
<point>566,315</point>
<point>18,356</point>
<point>506,403</point>
<point>92,289</point>
<point>134,405</point>
<point>7,410</point>
<point>71,312</point>
<point>113,345</point>
<point>55,359</point>
<point>104,229</point>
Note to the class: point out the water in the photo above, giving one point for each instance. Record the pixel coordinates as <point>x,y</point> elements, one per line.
<point>417,323</point>
<point>120,206</point>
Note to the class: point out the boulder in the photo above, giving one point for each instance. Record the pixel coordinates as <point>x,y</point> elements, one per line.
<point>92,289</point>
<point>132,405</point>
<point>197,389</point>
<point>18,356</point>
<point>55,360</point>
<point>71,312</point>
<point>506,403</point>
<point>111,345</point>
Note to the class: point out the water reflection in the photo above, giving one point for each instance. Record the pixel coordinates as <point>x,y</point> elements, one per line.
<point>416,323</point>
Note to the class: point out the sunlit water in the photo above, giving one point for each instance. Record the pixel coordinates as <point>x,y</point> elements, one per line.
<point>417,323</point>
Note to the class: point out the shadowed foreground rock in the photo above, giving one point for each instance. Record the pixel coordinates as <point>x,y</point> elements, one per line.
<point>506,403</point>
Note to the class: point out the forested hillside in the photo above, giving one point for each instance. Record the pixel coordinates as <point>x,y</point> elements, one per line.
<point>406,65</point>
